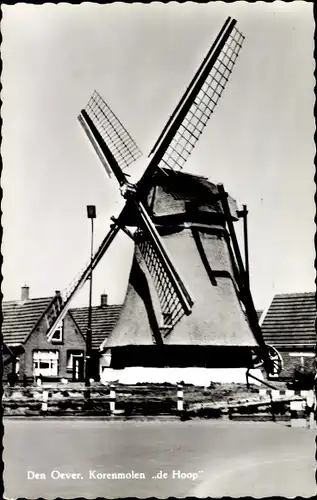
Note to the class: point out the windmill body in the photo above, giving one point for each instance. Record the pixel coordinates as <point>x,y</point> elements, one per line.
<point>191,223</point>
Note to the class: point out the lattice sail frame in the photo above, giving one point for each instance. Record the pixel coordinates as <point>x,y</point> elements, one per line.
<point>113,133</point>
<point>174,297</point>
<point>202,108</point>
<point>171,307</point>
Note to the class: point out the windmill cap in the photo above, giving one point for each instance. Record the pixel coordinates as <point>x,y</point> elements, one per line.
<point>187,192</point>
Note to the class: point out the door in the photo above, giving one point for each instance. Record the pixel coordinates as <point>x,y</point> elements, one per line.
<point>78,368</point>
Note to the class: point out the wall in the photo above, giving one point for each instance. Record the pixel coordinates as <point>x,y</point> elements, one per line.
<point>7,370</point>
<point>291,363</point>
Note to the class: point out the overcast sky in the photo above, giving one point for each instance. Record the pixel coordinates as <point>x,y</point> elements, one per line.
<point>140,58</point>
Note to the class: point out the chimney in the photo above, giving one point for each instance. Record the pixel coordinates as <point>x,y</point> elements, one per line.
<point>25,293</point>
<point>104,300</point>
<point>57,293</point>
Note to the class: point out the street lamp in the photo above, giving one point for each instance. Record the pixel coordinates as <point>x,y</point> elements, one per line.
<point>91,213</point>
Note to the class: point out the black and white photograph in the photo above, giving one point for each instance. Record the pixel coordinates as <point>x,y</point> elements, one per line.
<point>159,313</point>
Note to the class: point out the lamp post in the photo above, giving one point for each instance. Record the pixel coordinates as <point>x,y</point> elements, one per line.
<point>91,213</point>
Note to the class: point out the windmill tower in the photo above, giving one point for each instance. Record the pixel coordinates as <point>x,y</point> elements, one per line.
<point>188,302</point>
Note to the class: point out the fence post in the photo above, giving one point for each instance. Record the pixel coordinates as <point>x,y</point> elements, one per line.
<point>112,398</point>
<point>272,407</point>
<point>44,401</point>
<point>310,405</point>
<point>180,398</point>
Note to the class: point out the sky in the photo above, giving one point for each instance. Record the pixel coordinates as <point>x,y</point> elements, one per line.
<point>140,58</point>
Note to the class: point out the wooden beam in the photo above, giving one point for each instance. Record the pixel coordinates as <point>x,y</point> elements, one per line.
<point>245,292</point>
<point>244,213</point>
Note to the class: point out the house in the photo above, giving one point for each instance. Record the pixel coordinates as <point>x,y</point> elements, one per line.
<point>289,326</point>
<point>27,354</point>
<point>103,319</point>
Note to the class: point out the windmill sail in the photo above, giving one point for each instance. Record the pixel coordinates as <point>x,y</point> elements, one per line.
<point>171,307</point>
<point>204,104</point>
<point>94,143</point>
<point>78,283</point>
<point>174,298</point>
<point>110,132</point>
<point>190,117</point>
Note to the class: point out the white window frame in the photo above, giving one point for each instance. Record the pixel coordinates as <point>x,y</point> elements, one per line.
<point>60,330</point>
<point>300,354</point>
<point>48,357</point>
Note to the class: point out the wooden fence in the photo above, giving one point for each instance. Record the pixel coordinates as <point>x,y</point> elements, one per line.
<point>155,399</point>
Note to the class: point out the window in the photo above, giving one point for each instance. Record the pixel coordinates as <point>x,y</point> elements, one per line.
<point>304,359</point>
<point>106,359</point>
<point>45,363</point>
<point>301,356</point>
<point>57,337</point>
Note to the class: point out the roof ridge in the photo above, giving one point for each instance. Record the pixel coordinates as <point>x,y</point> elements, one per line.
<point>83,308</point>
<point>294,294</point>
<point>181,172</point>
<point>28,300</point>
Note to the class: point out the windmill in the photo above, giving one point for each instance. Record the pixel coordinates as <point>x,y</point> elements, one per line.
<point>188,301</point>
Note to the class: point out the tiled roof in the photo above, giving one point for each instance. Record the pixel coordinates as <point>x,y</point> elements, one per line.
<point>103,320</point>
<point>20,318</point>
<point>290,320</point>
